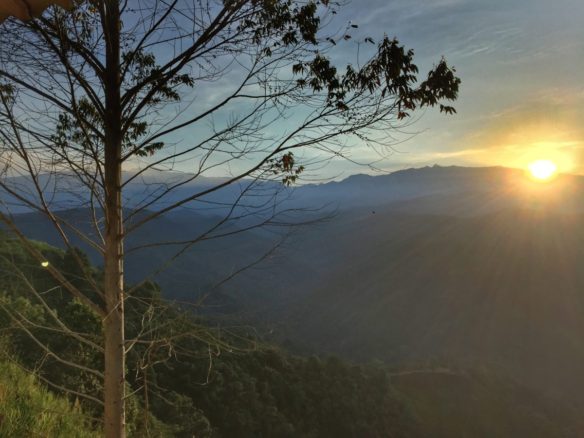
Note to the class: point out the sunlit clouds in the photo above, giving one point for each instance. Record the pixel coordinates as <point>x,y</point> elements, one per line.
<point>522,96</point>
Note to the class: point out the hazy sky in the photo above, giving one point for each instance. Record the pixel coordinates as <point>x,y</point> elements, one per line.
<point>522,67</point>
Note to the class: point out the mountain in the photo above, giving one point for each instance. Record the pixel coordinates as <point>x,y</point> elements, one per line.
<point>501,290</point>
<point>469,267</point>
<point>479,269</point>
<point>454,190</point>
<point>454,186</point>
<point>150,190</point>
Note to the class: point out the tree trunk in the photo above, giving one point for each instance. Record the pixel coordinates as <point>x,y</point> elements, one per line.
<point>114,391</point>
<point>113,324</point>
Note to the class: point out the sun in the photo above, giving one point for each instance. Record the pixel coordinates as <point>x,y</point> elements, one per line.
<point>542,170</point>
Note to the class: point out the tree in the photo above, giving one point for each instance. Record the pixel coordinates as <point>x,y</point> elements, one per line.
<point>115,85</point>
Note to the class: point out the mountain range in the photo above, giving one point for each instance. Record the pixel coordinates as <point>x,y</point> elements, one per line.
<point>439,266</point>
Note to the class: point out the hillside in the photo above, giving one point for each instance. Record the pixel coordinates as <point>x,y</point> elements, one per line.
<point>267,392</point>
<point>503,290</point>
<point>453,404</point>
<point>29,409</point>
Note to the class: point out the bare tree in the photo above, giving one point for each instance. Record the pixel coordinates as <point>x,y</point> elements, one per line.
<point>101,97</point>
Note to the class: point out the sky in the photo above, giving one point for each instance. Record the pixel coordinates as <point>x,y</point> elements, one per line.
<point>522,68</point>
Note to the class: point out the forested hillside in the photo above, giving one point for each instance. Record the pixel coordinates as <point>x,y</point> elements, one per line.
<point>223,383</point>
<point>219,387</point>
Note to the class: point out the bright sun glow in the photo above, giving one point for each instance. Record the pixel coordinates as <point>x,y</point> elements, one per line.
<point>543,169</point>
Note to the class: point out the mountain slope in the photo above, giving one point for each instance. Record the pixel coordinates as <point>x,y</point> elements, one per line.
<point>478,405</point>
<point>503,290</point>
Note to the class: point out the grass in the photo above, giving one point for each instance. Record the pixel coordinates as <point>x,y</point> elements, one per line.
<point>28,409</point>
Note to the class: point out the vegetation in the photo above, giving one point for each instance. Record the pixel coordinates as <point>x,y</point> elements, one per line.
<point>29,409</point>
<point>242,390</point>
<point>247,392</point>
<point>272,394</point>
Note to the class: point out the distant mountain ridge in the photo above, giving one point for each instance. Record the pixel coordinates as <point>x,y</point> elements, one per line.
<point>359,190</point>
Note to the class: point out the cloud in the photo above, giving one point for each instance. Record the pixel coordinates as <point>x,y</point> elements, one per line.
<point>548,125</point>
